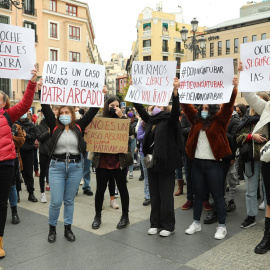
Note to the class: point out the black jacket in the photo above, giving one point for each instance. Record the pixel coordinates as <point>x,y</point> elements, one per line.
<point>44,137</point>
<point>231,129</point>
<point>186,126</point>
<point>56,133</point>
<point>30,131</point>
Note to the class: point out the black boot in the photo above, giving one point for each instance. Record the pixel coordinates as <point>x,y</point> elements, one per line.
<point>211,216</point>
<point>32,197</point>
<point>14,215</point>
<point>124,221</point>
<point>97,221</point>
<point>52,234</point>
<point>69,234</point>
<point>141,178</point>
<point>264,245</point>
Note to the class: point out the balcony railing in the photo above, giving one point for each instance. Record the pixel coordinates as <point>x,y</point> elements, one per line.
<point>147,33</point>
<point>176,50</point>
<point>165,32</point>
<point>32,11</point>
<point>5,5</point>
<point>165,49</point>
<point>147,48</point>
<point>89,50</point>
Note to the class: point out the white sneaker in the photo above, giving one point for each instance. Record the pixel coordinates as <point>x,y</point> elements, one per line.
<point>152,231</point>
<point>165,233</point>
<point>194,227</point>
<point>130,175</point>
<point>220,233</point>
<point>262,206</point>
<point>134,161</point>
<point>43,198</point>
<point>114,204</point>
<point>81,183</point>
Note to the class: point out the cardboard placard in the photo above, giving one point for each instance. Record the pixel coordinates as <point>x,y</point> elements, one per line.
<point>107,135</point>
<point>206,81</point>
<point>255,57</point>
<point>152,82</point>
<point>17,52</point>
<point>73,84</point>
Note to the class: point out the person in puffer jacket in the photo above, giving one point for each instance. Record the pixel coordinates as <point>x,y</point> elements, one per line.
<point>8,116</point>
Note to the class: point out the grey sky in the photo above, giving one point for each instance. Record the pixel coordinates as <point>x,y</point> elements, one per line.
<point>115,20</point>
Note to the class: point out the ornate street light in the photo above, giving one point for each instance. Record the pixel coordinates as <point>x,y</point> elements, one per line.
<point>15,3</point>
<point>193,46</point>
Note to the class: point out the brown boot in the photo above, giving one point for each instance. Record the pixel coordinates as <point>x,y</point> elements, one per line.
<point>2,252</point>
<point>180,188</point>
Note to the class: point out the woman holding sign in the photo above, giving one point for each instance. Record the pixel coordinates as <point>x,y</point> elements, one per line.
<point>65,169</point>
<point>8,116</point>
<point>112,166</point>
<point>163,141</point>
<point>206,145</point>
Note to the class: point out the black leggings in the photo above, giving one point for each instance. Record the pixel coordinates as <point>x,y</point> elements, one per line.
<point>27,172</point>
<point>265,168</point>
<point>6,177</point>
<point>44,170</point>
<point>111,185</point>
<point>102,176</point>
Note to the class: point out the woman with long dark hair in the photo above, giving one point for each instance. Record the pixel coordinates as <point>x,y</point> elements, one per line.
<point>65,170</point>
<point>9,115</point>
<point>112,166</point>
<point>206,145</point>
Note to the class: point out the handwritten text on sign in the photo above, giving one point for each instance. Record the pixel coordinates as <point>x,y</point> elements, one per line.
<point>107,135</point>
<point>152,82</point>
<point>206,81</point>
<point>74,84</point>
<point>17,52</point>
<point>255,57</point>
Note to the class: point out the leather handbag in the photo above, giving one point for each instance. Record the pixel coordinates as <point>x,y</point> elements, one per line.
<point>149,161</point>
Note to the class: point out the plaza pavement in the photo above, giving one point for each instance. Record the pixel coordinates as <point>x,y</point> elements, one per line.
<point>131,248</point>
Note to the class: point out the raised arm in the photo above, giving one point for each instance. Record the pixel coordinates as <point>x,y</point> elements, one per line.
<point>255,102</point>
<point>142,112</point>
<point>87,118</point>
<point>49,116</point>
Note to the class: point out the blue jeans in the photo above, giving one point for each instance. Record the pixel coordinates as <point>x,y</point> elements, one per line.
<point>132,148</point>
<point>86,172</point>
<point>146,183</point>
<point>64,182</point>
<point>251,187</point>
<point>208,173</point>
<point>12,196</point>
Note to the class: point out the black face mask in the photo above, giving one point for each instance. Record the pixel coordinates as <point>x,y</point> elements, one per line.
<point>112,112</point>
<point>240,114</point>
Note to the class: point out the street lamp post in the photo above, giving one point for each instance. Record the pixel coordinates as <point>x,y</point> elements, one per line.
<point>193,46</point>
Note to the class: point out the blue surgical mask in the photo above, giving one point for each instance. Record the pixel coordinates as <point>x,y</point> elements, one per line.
<point>204,114</point>
<point>65,119</point>
<point>43,117</point>
<point>24,116</point>
<point>156,110</point>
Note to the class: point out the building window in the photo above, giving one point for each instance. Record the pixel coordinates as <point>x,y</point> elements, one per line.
<point>74,57</point>
<point>263,36</point>
<point>53,5</point>
<point>245,40</point>
<point>212,49</point>
<point>165,47</point>
<point>220,48</point>
<point>4,19</point>
<point>165,29</point>
<point>147,43</point>
<point>33,26</point>
<point>165,58</point>
<point>74,32</point>
<point>53,55</point>
<point>147,27</point>
<point>71,10</point>
<point>228,47</point>
<point>235,66</point>
<point>236,45</point>
<point>178,62</point>
<point>5,4</point>
<point>29,7</point>
<point>147,58</point>
<point>254,38</point>
<point>53,30</point>
<point>178,47</point>
<point>5,85</point>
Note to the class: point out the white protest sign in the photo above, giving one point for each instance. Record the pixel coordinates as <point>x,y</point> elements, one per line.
<point>73,84</point>
<point>255,57</point>
<point>206,81</point>
<point>152,82</point>
<point>17,52</point>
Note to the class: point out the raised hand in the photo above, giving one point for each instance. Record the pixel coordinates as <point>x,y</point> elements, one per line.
<point>34,72</point>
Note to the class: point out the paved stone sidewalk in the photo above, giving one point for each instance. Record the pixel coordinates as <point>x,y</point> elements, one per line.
<point>27,248</point>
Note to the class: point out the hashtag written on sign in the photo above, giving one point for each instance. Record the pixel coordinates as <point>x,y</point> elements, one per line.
<point>183,84</point>
<point>182,96</point>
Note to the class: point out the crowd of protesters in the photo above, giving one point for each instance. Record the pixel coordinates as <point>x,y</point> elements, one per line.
<point>207,148</point>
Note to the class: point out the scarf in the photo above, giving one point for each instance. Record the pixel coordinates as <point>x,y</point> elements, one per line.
<point>160,139</point>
